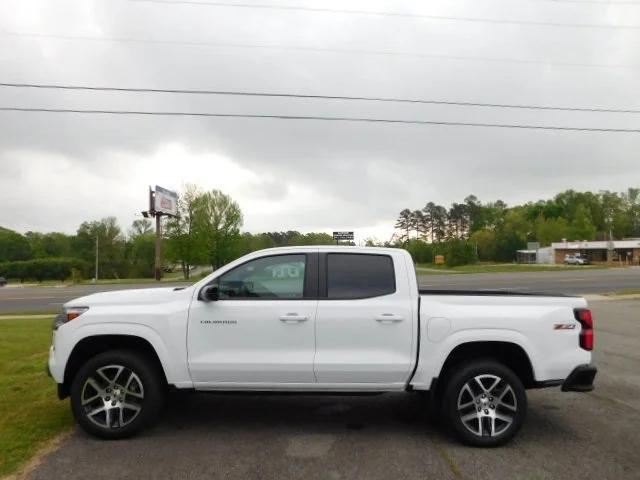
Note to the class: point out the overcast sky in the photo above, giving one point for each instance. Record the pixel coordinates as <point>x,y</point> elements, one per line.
<point>57,170</point>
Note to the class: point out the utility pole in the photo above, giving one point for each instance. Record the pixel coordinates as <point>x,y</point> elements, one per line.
<point>158,262</point>
<point>97,246</point>
<point>610,250</point>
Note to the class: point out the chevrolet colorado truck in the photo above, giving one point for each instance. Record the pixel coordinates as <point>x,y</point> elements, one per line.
<point>325,319</point>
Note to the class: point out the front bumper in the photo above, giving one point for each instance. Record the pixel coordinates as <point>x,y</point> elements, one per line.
<point>580,379</point>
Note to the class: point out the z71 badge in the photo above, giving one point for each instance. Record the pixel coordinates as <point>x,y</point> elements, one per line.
<point>564,326</point>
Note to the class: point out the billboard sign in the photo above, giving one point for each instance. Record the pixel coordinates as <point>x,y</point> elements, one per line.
<point>165,201</point>
<point>343,235</point>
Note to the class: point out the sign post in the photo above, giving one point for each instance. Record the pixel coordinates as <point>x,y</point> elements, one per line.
<point>337,236</point>
<point>161,202</point>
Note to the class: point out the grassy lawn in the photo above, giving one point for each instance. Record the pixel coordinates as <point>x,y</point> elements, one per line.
<point>168,277</point>
<point>30,412</point>
<point>431,269</point>
<point>630,292</point>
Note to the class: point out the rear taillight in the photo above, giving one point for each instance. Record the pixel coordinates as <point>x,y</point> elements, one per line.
<point>585,318</point>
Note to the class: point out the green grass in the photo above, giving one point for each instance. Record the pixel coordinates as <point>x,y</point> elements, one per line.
<point>632,292</point>
<point>431,269</point>
<point>168,277</point>
<point>30,412</point>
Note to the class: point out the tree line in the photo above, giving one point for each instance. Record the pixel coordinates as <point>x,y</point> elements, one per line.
<point>494,231</point>
<point>206,231</point>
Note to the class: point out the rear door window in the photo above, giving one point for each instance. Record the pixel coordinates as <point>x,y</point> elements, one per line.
<point>356,275</point>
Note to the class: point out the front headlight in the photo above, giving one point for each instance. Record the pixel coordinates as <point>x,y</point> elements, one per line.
<point>69,314</point>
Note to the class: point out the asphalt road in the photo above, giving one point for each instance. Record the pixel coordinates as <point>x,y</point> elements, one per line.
<point>49,299</point>
<point>35,299</point>
<point>211,436</point>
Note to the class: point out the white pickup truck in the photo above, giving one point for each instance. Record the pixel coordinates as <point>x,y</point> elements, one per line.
<point>321,319</point>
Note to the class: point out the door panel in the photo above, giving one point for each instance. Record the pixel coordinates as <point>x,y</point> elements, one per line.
<point>248,341</point>
<point>261,330</point>
<point>365,340</point>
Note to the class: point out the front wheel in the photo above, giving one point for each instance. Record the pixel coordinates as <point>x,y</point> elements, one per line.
<point>485,403</point>
<point>115,394</point>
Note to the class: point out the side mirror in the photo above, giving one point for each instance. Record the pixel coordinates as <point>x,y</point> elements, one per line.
<point>209,293</point>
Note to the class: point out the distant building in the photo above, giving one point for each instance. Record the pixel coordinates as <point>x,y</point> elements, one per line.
<point>617,251</point>
<point>620,251</point>
<point>535,255</point>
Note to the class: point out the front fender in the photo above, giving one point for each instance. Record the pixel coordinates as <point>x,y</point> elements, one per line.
<point>175,371</point>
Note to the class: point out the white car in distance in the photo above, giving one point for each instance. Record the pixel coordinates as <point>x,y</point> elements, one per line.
<point>575,260</point>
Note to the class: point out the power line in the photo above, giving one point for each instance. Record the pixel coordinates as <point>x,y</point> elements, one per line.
<point>319,118</point>
<point>315,97</point>
<point>594,2</point>
<point>392,14</point>
<point>390,53</point>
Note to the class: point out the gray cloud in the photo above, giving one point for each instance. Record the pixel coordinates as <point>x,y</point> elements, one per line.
<point>57,169</point>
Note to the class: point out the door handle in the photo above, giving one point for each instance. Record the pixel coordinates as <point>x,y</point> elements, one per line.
<point>293,318</point>
<point>388,318</point>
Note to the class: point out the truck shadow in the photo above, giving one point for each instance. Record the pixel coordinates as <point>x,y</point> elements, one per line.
<point>403,413</point>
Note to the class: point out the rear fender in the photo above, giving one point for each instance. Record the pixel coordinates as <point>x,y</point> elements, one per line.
<point>434,355</point>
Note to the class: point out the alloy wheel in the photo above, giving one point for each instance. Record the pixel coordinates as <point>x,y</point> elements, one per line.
<point>112,396</point>
<point>487,405</point>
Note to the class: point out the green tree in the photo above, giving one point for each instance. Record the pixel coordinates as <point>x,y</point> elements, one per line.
<point>142,249</point>
<point>13,246</point>
<point>632,203</point>
<point>142,226</point>
<point>582,227</point>
<point>143,256</point>
<point>485,240</point>
<point>183,245</point>
<point>421,252</point>
<point>475,213</point>
<point>458,221</point>
<point>459,252</point>
<point>419,223</point>
<point>551,230</point>
<point>217,221</point>
<point>512,233</point>
<point>404,223</point>
<point>53,244</point>
<point>112,261</point>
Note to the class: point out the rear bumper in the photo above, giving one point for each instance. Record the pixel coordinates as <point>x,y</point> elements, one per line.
<point>580,379</point>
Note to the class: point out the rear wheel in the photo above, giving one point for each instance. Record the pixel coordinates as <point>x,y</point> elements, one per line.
<point>485,403</point>
<point>115,394</point>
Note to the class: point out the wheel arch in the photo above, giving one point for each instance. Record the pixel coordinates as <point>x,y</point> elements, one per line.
<point>510,354</point>
<point>92,345</point>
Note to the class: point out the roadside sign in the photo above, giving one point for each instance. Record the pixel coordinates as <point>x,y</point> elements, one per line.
<point>165,201</point>
<point>343,235</point>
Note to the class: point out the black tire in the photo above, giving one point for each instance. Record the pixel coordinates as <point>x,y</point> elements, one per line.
<point>486,422</point>
<point>139,384</point>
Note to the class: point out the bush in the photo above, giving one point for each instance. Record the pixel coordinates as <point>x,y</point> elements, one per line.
<point>43,269</point>
<point>421,252</point>
<point>459,252</point>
